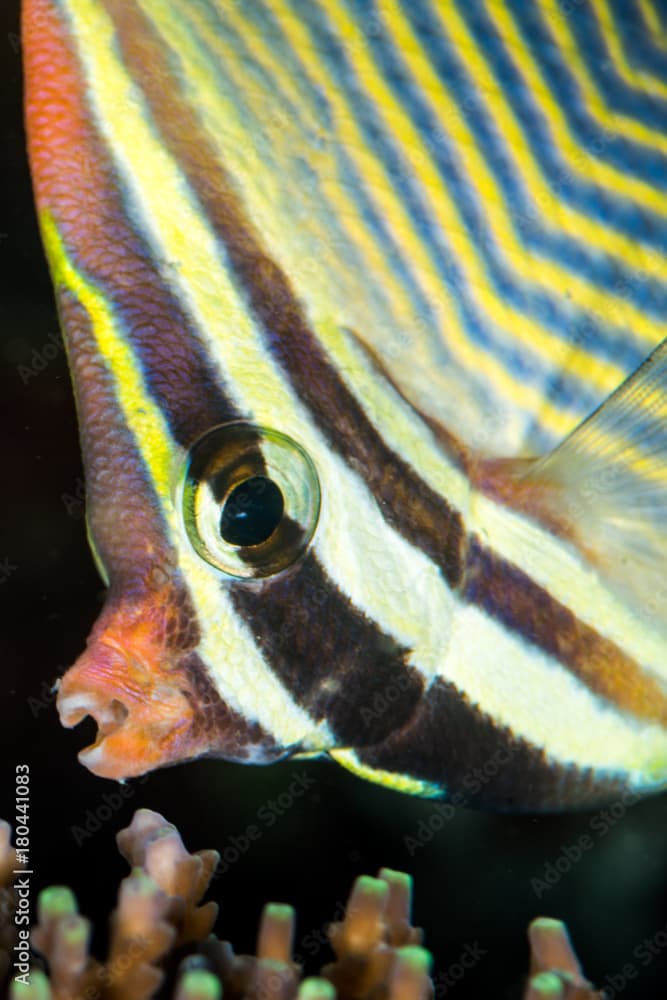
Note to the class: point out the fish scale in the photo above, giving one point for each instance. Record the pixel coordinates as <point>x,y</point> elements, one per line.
<point>381,255</point>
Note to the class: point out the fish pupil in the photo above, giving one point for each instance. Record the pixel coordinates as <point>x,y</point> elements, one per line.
<point>252,512</point>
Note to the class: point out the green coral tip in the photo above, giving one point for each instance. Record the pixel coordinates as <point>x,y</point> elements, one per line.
<point>547,924</point>
<point>140,883</point>
<point>371,886</point>
<point>417,958</point>
<point>199,984</point>
<point>316,988</point>
<point>547,985</point>
<point>280,912</point>
<point>395,878</point>
<point>274,965</point>
<point>56,901</point>
<point>75,930</point>
<point>36,989</point>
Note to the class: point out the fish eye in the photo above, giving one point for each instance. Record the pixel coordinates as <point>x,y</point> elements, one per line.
<point>250,499</point>
<point>252,512</point>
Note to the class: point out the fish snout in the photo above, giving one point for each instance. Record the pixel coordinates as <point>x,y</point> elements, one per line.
<point>145,718</point>
<point>145,685</point>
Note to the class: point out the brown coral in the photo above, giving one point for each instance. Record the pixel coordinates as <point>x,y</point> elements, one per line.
<point>379,955</point>
<point>555,972</point>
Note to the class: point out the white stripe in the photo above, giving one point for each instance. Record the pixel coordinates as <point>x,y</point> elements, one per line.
<point>560,570</point>
<point>369,561</point>
<point>247,686</point>
<point>525,690</point>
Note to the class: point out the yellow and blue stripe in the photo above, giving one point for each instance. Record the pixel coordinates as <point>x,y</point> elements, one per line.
<point>402,234</point>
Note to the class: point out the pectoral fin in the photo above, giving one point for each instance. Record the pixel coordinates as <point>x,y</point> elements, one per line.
<point>607,483</point>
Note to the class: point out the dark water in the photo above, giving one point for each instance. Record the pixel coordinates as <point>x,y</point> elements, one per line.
<point>479,878</point>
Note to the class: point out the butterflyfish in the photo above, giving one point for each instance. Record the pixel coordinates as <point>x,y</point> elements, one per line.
<point>364,305</point>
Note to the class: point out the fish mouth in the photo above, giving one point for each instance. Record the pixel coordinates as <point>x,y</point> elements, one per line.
<point>153,710</point>
<point>145,716</point>
<point>108,716</point>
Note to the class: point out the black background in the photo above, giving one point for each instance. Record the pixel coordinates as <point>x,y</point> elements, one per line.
<point>472,878</point>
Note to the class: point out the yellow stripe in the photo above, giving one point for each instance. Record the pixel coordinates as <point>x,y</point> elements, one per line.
<point>617,121</point>
<point>508,678</point>
<point>653,23</point>
<point>390,779</point>
<point>445,213</point>
<point>606,175</point>
<point>603,304</point>
<point>305,251</point>
<point>540,274</point>
<point>603,376</point>
<point>352,536</point>
<point>634,76</point>
<point>226,642</point>
<point>312,253</point>
<point>409,353</point>
<point>443,207</point>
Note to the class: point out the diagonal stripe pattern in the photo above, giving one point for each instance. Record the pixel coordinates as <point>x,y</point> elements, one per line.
<point>359,223</point>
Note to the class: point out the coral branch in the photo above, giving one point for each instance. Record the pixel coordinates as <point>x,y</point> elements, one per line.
<point>62,935</point>
<point>378,953</point>
<point>555,972</point>
<point>155,845</point>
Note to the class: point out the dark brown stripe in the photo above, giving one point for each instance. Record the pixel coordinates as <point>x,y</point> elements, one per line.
<point>125,513</point>
<point>95,218</point>
<point>130,535</point>
<point>226,733</point>
<point>423,517</point>
<point>415,510</point>
<point>120,497</point>
<point>418,513</point>
<point>335,662</point>
<point>507,594</point>
<point>452,743</point>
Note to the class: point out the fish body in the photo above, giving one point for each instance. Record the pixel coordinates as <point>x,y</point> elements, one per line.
<point>330,276</point>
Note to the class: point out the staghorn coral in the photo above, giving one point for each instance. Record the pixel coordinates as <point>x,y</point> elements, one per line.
<point>159,916</point>
<point>555,973</point>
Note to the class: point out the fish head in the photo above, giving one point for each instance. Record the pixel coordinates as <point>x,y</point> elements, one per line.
<point>229,628</point>
<point>210,376</point>
<point>276,291</point>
